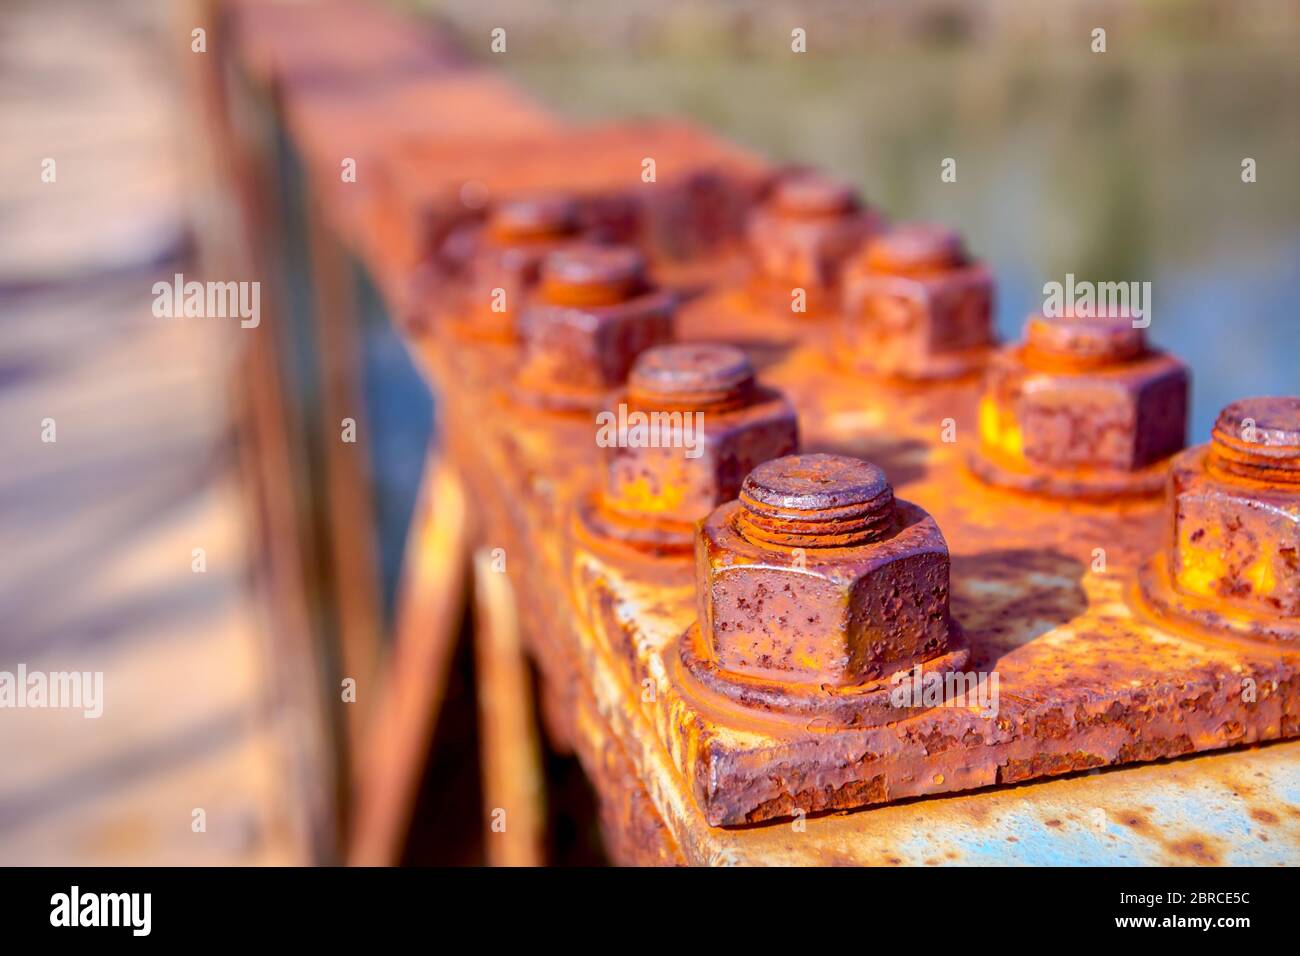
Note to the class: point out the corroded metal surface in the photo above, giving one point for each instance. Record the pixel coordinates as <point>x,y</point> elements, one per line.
<point>1082,408</point>
<point>335,128</point>
<point>674,190</point>
<point>651,494</point>
<point>816,575</point>
<point>1045,494</point>
<point>595,313</point>
<point>1238,808</point>
<point>1084,682</point>
<point>1231,563</point>
<point>340,43</point>
<point>802,235</point>
<point>916,305</point>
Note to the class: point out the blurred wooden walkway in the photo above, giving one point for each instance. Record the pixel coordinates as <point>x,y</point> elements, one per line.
<point>97,529</point>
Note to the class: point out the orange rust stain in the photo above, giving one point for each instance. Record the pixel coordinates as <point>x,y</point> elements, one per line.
<point>1197,849</point>
<point>1263,816</point>
<point>1134,821</point>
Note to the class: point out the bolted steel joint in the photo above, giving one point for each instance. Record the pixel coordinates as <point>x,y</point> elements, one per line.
<point>1081,408</point>
<point>594,313</point>
<point>802,236</point>
<point>1236,510</point>
<point>817,576</point>
<point>1232,559</point>
<point>690,425</point>
<point>916,306</point>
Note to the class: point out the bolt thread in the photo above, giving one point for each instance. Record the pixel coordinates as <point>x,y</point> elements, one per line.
<point>1259,438</point>
<point>816,501</point>
<point>808,195</point>
<point>593,276</point>
<point>691,377</point>
<point>533,219</point>
<point>916,249</point>
<point>1071,343</point>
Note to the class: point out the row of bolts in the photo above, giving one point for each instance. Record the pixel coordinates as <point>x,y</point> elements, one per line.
<point>595,323</point>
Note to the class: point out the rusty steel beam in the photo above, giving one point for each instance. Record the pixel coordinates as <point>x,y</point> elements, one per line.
<point>400,725</point>
<point>746,636</point>
<point>447,105</point>
<point>676,191</point>
<point>1086,678</point>
<point>514,802</point>
<point>324,67</point>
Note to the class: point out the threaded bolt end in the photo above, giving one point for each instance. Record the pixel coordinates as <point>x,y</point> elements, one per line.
<point>533,218</point>
<point>1259,438</point>
<point>916,248</point>
<point>816,501</point>
<point>1080,343</point>
<point>592,275</point>
<point>809,195</point>
<point>691,376</point>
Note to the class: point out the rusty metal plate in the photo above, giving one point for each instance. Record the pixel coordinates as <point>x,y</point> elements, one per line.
<point>1084,681</point>
<point>331,126</point>
<point>1044,483</point>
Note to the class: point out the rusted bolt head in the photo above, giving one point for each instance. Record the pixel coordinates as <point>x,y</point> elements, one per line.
<point>593,275</point>
<point>807,195</point>
<point>816,501</point>
<point>818,575</point>
<point>915,306</point>
<point>705,424</point>
<point>596,313</point>
<point>806,231</point>
<point>1260,438</point>
<point>522,219</point>
<point>1082,406</point>
<point>1236,511</point>
<point>915,248</point>
<point>1080,343</point>
<point>692,375</point>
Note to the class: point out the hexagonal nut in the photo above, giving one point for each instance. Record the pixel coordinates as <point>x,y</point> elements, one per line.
<point>590,349</point>
<point>899,324</point>
<point>1124,417</point>
<point>703,213</point>
<point>833,616</point>
<point>704,461</point>
<point>805,253</point>
<point>1235,540</point>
